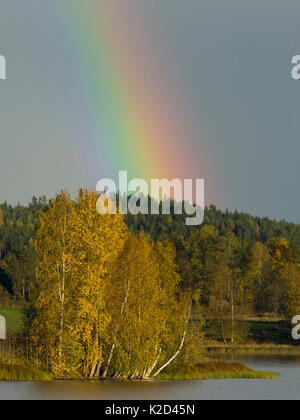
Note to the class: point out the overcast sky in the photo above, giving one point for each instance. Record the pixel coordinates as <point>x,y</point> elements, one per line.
<point>231,60</point>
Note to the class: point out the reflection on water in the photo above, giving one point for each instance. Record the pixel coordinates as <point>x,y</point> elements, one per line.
<point>284,388</point>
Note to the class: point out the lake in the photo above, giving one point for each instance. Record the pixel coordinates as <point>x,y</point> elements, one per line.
<point>284,388</point>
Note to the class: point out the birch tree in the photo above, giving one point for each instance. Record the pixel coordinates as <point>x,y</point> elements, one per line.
<point>149,320</point>
<point>96,242</point>
<point>54,282</point>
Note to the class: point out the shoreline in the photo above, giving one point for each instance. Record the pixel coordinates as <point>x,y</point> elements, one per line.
<point>208,370</point>
<point>274,349</point>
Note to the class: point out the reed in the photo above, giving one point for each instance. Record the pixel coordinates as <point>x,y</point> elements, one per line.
<point>22,373</point>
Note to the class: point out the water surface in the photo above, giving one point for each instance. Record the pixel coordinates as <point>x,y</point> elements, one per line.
<point>284,388</point>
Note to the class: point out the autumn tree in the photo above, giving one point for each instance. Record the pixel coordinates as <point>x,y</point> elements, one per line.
<point>149,320</point>
<point>96,242</point>
<point>75,247</point>
<point>54,283</point>
<point>285,278</point>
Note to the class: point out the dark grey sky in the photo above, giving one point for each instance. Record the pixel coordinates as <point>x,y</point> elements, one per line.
<point>231,61</point>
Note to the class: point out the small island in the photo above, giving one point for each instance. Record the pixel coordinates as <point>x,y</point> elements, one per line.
<point>92,297</point>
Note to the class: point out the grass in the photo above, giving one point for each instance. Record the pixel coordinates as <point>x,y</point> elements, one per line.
<point>215,370</point>
<point>14,319</point>
<point>22,373</point>
<point>248,349</point>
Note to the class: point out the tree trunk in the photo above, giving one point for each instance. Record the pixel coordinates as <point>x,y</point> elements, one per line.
<point>62,289</point>
<point>62,311</point>
<point>174,356</point>
<point>96,361</point>
<point>180,346</point>
<point>116,332</point>
<point>93,369</point>
<point>97,373</point>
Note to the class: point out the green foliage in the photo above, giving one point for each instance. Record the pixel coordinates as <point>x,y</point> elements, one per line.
<point>244,226</point>
<point>17,233</point>
<point>14,319</point>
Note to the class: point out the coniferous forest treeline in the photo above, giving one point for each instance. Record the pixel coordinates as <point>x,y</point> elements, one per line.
<point>125,297</point>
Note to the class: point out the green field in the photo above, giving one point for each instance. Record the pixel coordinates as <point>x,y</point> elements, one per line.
<point>14,319</point>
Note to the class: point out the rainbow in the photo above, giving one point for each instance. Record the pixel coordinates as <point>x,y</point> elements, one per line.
<point>129,109</point>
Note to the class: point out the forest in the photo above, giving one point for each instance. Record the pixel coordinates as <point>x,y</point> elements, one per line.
<point>128,296</point>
